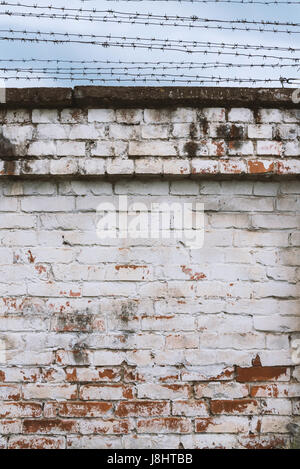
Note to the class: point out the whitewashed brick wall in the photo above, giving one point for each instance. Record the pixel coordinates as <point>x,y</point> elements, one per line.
<point>147,343</point>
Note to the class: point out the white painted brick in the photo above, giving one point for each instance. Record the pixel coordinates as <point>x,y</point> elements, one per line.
<point>124,132</point>
<point>292,148</point>
<point>101,115</point>
<point>129,116</point>
<point>46,204</point>
<point>19,116</point>
<point>119,166</point>
<point>152,149</point>
<point>240,115</point>
<point>270,115</point>
<point>148,166</point>
<point>102,148</point>
<point>265,147</point>
<point>261,131</point>
<point>42,148</point>
<point>71,149</point>
<point>155,131</point>
<point>214,114</point>
<point>45,116</point>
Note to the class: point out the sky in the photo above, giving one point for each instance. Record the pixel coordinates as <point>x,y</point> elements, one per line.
<point>21,50</point>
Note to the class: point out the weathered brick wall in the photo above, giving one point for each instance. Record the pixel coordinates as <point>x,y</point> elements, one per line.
<point>147,343</point>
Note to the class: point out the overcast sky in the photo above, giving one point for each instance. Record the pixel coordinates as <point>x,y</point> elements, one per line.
<point>18,50</point>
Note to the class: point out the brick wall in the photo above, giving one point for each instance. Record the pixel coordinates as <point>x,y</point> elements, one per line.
<point>121,343</point>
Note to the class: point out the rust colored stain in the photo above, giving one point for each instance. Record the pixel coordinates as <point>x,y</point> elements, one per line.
<point>257,167</point>
<point>110,374</point>
<point>30,257</point>
<point>259,373</point>
<point>231,167</point>
<point>192,276</point>
<point>2,376</point>
<point>83,409</point>
<point>45,425</point>
<point>133,267</point>
<point>40,268</point>
<point>74,294</point>
<point>36,443</point>
<point>256,361</point>
<point>225,374</point>
<point>71,375</point>
<point>219,148</point>
<point>254,442</point>
<point>138,408</point>
<point>171,377</point>
<point>231,407</point>
<point>203,424</point>
<point>133,376</point>
<point>128,393</point>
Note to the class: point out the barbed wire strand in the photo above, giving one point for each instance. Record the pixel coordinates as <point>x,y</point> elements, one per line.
<point>117,19</point>
<point>148,16</point>
<point>245,2</point>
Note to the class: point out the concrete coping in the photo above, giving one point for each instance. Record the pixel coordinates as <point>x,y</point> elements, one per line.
<point>149,97</point>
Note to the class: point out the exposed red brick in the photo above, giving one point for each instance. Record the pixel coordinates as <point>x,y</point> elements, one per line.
<point>50,426</point>
<point>164,425</point>
<point>36,442</point>
<point>260,373</point>
<point>84,409</point>
<point>237,406</point>
<point>142,408</point>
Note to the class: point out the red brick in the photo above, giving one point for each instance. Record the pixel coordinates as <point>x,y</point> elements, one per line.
<point>9,392</point>
<point>20,409</point>
<point>84,409</point>
<point>236,407</point>
<point>99,426</point>
<point>164,425</point>
<point>262,373</point>
<point>55,426</point>
<point>142,408</point>
<point>36,442</point>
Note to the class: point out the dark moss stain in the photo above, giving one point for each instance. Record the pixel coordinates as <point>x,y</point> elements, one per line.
<point>7,149</point>
<point>9,167</point>
<point>128,311</point>
<point>230,132</point>
<point>80,354</point>
<point>191,149</point>
<point>204,125</point>
<point>256,114</point>
<point>26,168</point>
<point>277,136</point>
<point>235,144</point>
<point>75,322</point>
<point>193,131</point>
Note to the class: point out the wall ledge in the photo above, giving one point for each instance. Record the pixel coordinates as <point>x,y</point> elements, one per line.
<point>152,97</point>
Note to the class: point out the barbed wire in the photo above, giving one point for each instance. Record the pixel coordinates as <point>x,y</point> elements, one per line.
<point>148,47</point>
<point>148,78</point>
<point>147,16</point>
<point>147,42</point>
<point>245,2</point>
<point>142,64</point>
<point>111,16</point>
<point>134,66</point>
